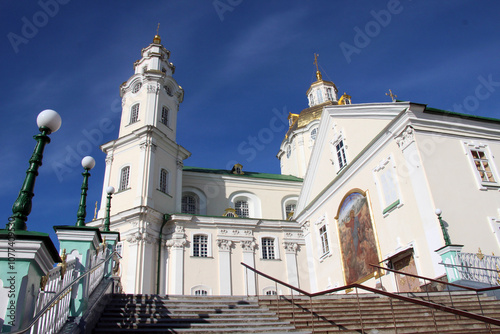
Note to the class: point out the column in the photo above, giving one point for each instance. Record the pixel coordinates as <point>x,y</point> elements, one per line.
<point>225,266</point>
<point>176,245</point>
<point>249,259</point>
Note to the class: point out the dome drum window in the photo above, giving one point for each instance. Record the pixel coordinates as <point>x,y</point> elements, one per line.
<point>136,88</point>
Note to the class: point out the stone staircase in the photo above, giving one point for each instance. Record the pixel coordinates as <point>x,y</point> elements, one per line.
<point>340,313</point>
<point>331,314</point>
<point>189,314</point>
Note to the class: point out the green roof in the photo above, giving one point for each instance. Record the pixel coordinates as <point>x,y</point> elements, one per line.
<point>245,175</point>
<point>456,114</point>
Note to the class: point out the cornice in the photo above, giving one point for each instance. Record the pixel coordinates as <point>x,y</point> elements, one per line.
<point>243,180</point>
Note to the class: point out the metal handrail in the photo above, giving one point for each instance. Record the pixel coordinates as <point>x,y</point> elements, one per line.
<point>437,281</point>
<point>56,297</point>
<point>432,305</point>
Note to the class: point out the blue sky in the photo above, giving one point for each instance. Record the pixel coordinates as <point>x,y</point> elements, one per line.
<point>242,63</point>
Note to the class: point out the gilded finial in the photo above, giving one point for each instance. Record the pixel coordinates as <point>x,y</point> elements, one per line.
<point>95,211</point>
<point>318,73</point>
<point>480,255</point>
<point>63,263</point>
<point>157,39</point>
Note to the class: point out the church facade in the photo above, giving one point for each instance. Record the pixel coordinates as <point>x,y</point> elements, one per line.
<point>359,185</point>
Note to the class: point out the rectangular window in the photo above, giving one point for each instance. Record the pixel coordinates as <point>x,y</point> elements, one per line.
<point>341,154</point>
<point>482,166</point>
<point>241,208</point>
<point>324,240</point>
<point>164,181</point>
<point>200,245</point>
<point>164,115</point>
<point>268,252</point>
<point>124,178</point>
<point>134,113</point>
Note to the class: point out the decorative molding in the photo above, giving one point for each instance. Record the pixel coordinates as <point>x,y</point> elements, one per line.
<point>109,159</point>
<point>180,164</point>
<point>153,88</point>
<point>382,164</point>
<point>176,243</point>
<point>224,245</point>
<point>146,144</point>
<point>290,247</point>
<point>320,220</point>
<point>248,245</point>
<point>138,237</point>
<point>305,227</point>
<point>406,137</point>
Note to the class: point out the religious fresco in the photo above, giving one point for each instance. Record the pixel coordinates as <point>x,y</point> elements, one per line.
<point>357,238</point>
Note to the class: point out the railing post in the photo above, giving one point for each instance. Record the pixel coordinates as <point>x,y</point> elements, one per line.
<point>85,241</point>
<point>359,310</point>
<point>293,307</point>
<point>312,312</point>
<point>277,298</point>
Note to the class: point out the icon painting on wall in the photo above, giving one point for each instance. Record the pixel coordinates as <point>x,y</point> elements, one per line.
<point>357,238</point>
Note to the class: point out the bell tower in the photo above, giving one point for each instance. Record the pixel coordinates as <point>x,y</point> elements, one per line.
<point>145,163</point>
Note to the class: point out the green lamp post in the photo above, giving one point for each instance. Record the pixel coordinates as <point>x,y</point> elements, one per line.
<point>48,121</point>
<point>446,236</point>
<point>110,191</point>
<point>87,163</point>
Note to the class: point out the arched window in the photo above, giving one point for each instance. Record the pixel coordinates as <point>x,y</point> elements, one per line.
<point>246,204</point>
<point>241,208</point>
<point>271,292</point>
<point>164,115</point>
<point>314,133</point>
<point>189,204</point>
<point>164,181</point>
<point>124,178</point>
<point>200,292</point>
<point>290,210</point>
<point>288,151</point>
<point>134,113</point>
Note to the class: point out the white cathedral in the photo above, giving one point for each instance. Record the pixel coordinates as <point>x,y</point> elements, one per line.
<point>359,185</point>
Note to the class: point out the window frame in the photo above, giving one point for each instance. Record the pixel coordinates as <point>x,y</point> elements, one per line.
<point>275,247</point>
<point>122,186</point>
<point>165,120</point>
<point>195,204</point>
<point>324,240</point>
<point>238,209</point>
<point>484,148</point>
<point>134,114</point>
<point>163,182</point>
<point>198,252</point>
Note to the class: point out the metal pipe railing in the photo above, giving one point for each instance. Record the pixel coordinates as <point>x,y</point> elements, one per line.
<point>428,304</point>
<point>56,298</point>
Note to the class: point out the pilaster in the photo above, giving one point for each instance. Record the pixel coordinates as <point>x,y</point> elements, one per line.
<point>248,247</point>
<point>225,280</point>
<point>177,244</point>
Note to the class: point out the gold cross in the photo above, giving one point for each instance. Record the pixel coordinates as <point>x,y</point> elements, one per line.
<point>393,96</point>
<point>316,61</point>
<point>157,29</point>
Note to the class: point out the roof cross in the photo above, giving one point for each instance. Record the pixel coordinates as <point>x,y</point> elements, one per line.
<point>393,96</point>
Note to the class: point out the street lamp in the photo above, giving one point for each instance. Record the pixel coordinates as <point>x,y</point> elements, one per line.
<point>110,191</point>
<point>87,163</point>
<point>446,236</point>
<point>48,121</point>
